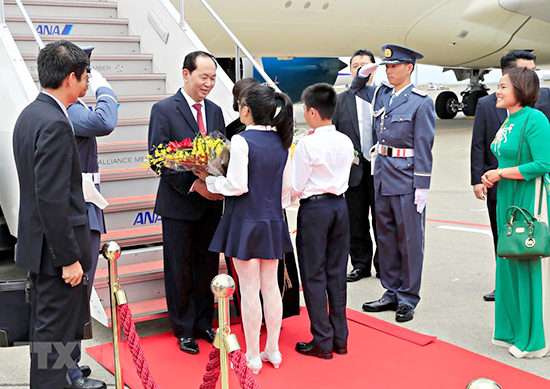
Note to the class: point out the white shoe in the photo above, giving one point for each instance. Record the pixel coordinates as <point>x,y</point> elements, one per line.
<point>255,364</point>
<point>275,358</point>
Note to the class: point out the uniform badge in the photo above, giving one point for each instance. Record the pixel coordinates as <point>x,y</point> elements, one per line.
<point>388,53</point>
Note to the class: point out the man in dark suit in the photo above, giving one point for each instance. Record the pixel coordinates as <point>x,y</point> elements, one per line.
<point>487,122</point>
<point>353,117</point>
<point>190,213</point>
<point>53,233</point>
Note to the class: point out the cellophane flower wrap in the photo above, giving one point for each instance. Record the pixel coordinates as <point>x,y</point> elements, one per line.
<point>211,151</point>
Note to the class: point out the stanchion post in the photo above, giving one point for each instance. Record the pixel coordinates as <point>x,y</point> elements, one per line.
<point>223,287</point>
<point>111,252</point>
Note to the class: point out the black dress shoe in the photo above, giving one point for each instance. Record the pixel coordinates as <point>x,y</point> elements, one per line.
<point>309,349</point>
<point>380,305</point>
<point>356,275</point>
<point>489,296</point>
<point>85,370</point>
<point>207,335</point>
<point>378,275</point>
<point>404,313</point>
<point>189,345</point>
<point>340,350</point>
<point>86,383</point>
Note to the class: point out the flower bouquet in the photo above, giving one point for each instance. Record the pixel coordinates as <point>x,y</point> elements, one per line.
<point>211,151</point>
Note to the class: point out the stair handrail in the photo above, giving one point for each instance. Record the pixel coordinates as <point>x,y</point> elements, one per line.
<point>237,42</point>
<point>29,23</point>
<point>2,14</point>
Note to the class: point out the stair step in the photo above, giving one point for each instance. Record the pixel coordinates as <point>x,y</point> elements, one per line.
<point>132,106</point>
<point>122,155</point>
<point>135,236</point>
<point>108,63</point>
<point>133,256</point>
<point>63,8</point>
<point>129,271</point>
<point>136,182</point>
<point>129,84</point>
<point>123,204</point>
<point>69,26</point>
<point>127,129</point>
<point>145,310</point>
<point>130,218</point>
<point>103,44</point>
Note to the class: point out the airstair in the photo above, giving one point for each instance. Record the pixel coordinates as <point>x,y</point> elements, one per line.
<point>139,48</point>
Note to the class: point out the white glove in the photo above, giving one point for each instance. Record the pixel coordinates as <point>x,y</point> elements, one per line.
<point>420,197</point>
<point>366,70</point>
<point>96,80</point>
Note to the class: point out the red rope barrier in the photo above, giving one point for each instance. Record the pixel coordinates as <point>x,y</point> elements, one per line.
<point>240,366</point>
<point>212,370</point>
<point>138,356</point>
<point>244,373</point>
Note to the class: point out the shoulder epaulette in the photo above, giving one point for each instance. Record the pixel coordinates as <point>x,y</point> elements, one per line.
<point>386,83</point>
<point>419,92</point>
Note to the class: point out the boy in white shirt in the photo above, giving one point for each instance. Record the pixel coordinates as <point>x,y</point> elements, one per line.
<point>320,173</point>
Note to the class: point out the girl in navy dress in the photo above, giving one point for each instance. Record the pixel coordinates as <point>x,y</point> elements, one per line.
<point>252,229</point>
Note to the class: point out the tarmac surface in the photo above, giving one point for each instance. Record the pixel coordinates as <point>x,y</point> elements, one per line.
<point>459,269</point>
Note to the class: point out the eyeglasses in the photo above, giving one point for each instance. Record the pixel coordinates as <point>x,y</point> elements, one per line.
<point>88,69</point>
<point>242,103</point>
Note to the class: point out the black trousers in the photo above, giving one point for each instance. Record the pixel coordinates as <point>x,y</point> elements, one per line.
<point>492,208</point>
<point>188,270</point>
<point>322,244</point>
<point>59,314</point>
<point>360,200</point>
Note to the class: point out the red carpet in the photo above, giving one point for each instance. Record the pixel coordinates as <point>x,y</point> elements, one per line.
<point>381,355</point>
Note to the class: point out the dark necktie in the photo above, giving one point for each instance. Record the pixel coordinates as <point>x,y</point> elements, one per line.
<point>200,122</point>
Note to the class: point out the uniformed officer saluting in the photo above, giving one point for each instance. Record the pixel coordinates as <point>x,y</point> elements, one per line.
<point>404,123</point>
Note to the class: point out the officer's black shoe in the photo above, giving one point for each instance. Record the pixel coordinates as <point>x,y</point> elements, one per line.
<point>86,383</point>
<point>489,296</point>
<point>356,275</point>
<point>379,306</point>
<point>404,313</point>
<point>85,370</point>
<point>189,345</point>
<point>207,335</point>
<point>309,349</point>
<point>340,350</point>
<point>378,275</point>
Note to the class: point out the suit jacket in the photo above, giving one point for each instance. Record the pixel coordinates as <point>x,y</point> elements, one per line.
<point>53,225</point>
<point>172,120</point>
<point>346,121</point>
<point>487,122</point>
<point>408,123</point>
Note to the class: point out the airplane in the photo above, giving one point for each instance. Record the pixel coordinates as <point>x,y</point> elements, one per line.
<point>299,41</point>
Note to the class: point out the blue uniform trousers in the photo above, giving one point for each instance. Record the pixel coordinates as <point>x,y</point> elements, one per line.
<point>322,244</point>
<point>400,247</point>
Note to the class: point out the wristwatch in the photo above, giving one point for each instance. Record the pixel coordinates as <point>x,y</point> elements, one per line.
<point>500,171</point>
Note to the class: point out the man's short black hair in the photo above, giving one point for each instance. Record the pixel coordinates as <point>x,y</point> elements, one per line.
<point>510,59</point>
<point>321,97</point>
<point>362,52</point>
<point>59,59</point>
<point>190,61</point>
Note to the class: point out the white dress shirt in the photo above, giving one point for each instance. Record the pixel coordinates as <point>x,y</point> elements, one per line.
<point>322,163</point>
<point>190,101</point>
<point>236,181</point>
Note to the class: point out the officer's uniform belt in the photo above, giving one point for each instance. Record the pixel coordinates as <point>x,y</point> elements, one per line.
<point>324,196</point>
<point>94,177</point>
<point>394,152</point>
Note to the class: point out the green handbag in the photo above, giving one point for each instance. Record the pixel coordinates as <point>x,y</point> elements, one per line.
<point>524,236</point>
